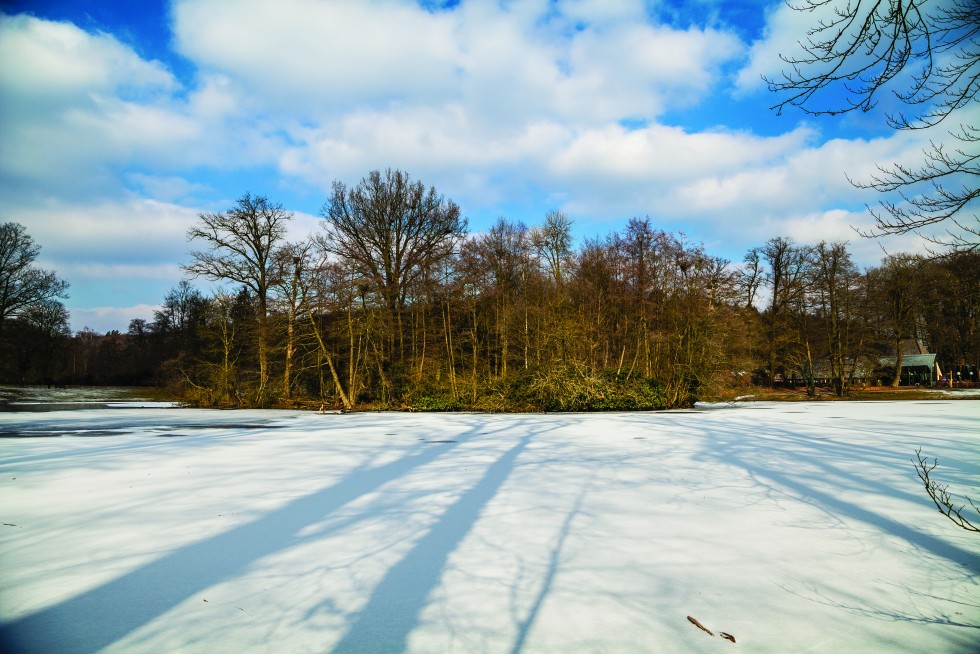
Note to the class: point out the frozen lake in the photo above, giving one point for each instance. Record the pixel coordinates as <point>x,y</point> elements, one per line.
<point>791,527</point>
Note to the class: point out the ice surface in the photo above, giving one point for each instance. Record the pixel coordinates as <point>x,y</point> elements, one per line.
<point>794,527</point>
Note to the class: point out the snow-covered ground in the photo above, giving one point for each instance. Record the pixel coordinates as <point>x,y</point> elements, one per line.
<point>792,527</point>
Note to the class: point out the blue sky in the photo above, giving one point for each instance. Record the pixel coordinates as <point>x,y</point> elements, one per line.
<point>121,121</point>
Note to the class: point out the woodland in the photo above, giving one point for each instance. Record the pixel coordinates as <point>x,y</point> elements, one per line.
<point>394,305</point>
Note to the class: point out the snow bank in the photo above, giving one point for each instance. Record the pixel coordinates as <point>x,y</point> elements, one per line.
<point>792,527</point>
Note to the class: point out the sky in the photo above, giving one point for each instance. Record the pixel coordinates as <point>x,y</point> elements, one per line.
<point>121,122</point>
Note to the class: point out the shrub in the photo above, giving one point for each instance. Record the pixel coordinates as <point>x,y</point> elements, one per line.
<point>569,389</point>
<point>428,402</point>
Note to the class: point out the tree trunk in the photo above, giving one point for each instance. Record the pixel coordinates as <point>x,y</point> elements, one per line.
<point>288,364</point>
<point>263,336</point>
<point>896,380</point>
<point>326,355</point>
<point>447,328</point>
<point>475,353</point>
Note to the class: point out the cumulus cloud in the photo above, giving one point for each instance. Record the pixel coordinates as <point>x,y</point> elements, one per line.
<point>577,60</point>
<point>840,225</point>
<point>636,70</point>
<point>128,231</point>
<point>667,153</point>
<point>107,318</point>
<point>430,142</point>
<point>113,252</point>
<point>307,54</point>
<point>79,106</point>
<point>47,62</point>
<point>322,89</point>
<point>785,27</point>
<point>734,190</point>
<point>166,188</point>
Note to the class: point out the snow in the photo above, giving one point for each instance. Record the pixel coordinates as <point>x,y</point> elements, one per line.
<point>961,392</point>
<point>796,527</point>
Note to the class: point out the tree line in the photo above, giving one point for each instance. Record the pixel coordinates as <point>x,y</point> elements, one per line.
<point>394,304</point>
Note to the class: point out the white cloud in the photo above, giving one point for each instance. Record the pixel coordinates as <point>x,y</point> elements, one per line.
<point>46,62</point>
<point>108,318</point>
<point>63,77</point>
<point>426,141</point>
<point>321,54</point>
<point>804,176</point>
<point>216,97</point>
<point>118,271</point>
<point>354,86</point>
<point>116,254</point>
<point>733,189</point>
<point>166,188</point>
<point>78,106</point>
<point>637,70</point>
<point>132,231</point>
<point>505,63</point>
<point>667,153</point>
<point>784,29</point>
<point>840,225</point>
<point>302,226</point>
<point>669,172</point>
<point>604,11</point>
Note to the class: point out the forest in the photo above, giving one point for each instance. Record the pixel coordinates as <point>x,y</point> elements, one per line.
<point>395,305</point>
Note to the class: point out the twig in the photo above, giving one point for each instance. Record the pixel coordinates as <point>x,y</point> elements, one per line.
<point>939,494</point>
<point>699,625</point>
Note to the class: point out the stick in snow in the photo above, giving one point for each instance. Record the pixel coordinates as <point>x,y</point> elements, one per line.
<point>699,625</point>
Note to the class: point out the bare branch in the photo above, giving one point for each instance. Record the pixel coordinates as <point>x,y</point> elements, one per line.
<point>940,496</point>
<point>23,285</point>
<point>242,243</point>
<point>926,54</point>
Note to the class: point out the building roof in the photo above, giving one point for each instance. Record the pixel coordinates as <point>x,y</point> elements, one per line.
<point>912,361</point>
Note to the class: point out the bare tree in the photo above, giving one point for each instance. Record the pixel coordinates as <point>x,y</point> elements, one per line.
<point>241,243</point>
<point>290,261</point>
<point>927,54</point>
<point>220,316</point>
<point>179,318</point>
<point>303,283</point>
<point>641,244</point>
<point>779,254</point>
<point>391,230</point>
<point>553,241</point>
<point>177,311</point>
<point>834,282</point>
<point>750,276</point>
<point>501,255</point>
<point>896,288</point>
<point>22,284</point>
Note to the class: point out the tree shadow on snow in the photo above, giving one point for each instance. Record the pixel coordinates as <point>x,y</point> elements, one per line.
<point>554,559</point>
<point>107,613</point>
<point>393,610</point>
<point>822,473</point>
<point>813,465</point>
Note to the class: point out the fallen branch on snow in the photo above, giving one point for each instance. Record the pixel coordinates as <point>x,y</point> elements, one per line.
<point>940,496</point>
